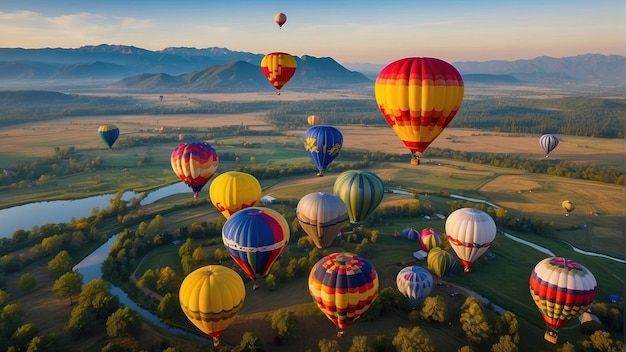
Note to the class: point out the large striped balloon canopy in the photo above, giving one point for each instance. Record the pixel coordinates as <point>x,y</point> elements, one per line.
<point>343,285</point>
<point>194,163</point>
<point>419,97</point>
<point>361,191</point>
<point>562,290</point>
<point>211,298</point>
<point>414,283</point>
<point>278,68</point>
<point>548,142</point>
<point>322,143</point>
<point>255,237</point>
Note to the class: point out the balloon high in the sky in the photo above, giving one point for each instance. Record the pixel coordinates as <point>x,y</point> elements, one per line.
<point>321,215</point>
<point>278,68</point>
<point>322,143</point>
<point>313,120</point>
<point>568,206</point>
<point>233,191</point>
<point>562,290</point>
<point>548,142</point>
<point>108,134</point>
<point>361,191</point>
<point>211,298</point>
<point>194,163</point>
<point>415,283</point>
<point>430,238</point>
<point>470,233</point>
<point>254,237</point>
<point>280,19</point>
<point>419,97</point>
<point>343,285</point>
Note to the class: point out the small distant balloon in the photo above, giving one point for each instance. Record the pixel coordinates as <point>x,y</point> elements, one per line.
<point>568,206</point>
<point>548,142</point>
<point>410,234</point>
<point>280,19</point>
<point>313,120</point>
<point>108,134</point>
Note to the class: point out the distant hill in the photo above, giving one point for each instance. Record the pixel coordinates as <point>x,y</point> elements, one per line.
<point>214,68</point>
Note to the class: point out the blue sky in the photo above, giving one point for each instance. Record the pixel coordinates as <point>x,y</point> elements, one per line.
<point>346,30</point>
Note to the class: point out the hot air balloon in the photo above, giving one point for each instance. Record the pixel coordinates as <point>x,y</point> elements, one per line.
<point>211,298</point>
<point>108,134</point>
<point>440,262</point>
<point>361,191</point>
<point>254,237</point>
<point>419,97</point>
<point>194,163</point>
<point>415,283</point>
<point>321,215</point>
<point>548,142</point>
<point>322,143</point>
<point>562,290</point>
<point>470,233</point>
<point>343,285</point>
<point>233,191</point>
<point>430,238</point>
<point>313,120</point>
<point>280,19</point>
<point>278,68</point>
<point>410,234</point>
<point>568,206</point>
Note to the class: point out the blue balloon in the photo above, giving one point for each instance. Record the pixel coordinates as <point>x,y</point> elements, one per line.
<point>322,143</point>
<point>415,283</point>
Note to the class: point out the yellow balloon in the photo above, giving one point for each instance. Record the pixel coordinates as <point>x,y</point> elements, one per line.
<point>233,191</point>
<point>211,298</point>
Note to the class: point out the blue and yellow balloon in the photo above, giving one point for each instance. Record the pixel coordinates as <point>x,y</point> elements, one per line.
<point>323,144</point>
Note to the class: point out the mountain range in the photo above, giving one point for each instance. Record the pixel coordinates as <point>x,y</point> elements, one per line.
<point>221,69</point>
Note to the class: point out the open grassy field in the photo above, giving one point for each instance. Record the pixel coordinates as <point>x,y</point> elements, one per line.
<point>529,195</point>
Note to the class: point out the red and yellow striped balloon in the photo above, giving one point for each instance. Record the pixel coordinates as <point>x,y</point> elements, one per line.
<point>419,97</point>
<point>194,163</point>
<point>278,68</point>
<point>343,285</point>
<point>562,290</point>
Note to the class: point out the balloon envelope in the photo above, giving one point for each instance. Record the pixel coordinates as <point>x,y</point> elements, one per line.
<point>322,143</point>
<point>440,262</point>
<point>233,191</point>
<point>313,120</point>
<point>568,206</point>
<point>108,134</point>
<point>343,285</point>
<point>194,163</point>
<point>562,290</point>
<point>255,237</point>
<point>361,192</point>
<point>321,215</point>
<point>419,97</point>
<point>430,238</point>
<point>211,298</point>
<point>410,234</point>
<point>548,142</point>
<point>278,68</point>
<point>415,283</point>
<point>280,19</point>
<point>470,233</point>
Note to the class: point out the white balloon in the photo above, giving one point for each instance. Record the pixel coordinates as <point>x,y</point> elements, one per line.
<point>470,233</point>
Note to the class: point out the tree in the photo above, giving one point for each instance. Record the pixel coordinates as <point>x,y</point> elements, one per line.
<point>601,341</point>
<point>27,282</point>
<point>198,256</point>
<point>249,343</point>
<point>327,345</point>
<point>284,323</point>
<point>359,344</point>
<point>507,324</point>
<point>124,322</point>
<point>505,344</point>
<point>567,347</point>
<point>67,285</point>
<point>270,282</point>
<point>168,307</point>
<point>186,248</point>
<point>220,255</point>
<point>414,339</point>
<point>466,349</point>
<point>60,264</point>
<point>82,320</point>
<point>473,321</point>
<point>4,297</point>
<point>434,309</point>
<point>96,297</point>
<point>22,336</point>
<point>168,280</point>
<point>148,280</point>
<point>44,343</point>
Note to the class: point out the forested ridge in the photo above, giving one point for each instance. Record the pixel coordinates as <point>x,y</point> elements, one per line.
<point>580,116</point>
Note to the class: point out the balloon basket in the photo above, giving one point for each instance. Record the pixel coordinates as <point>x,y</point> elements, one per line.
<point>415,162</point>
<point>551,336</point>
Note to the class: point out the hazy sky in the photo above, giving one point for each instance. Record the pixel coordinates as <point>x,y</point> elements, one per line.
<point>346,30</point>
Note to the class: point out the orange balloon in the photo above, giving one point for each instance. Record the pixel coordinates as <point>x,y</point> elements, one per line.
<point>278,68</point>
